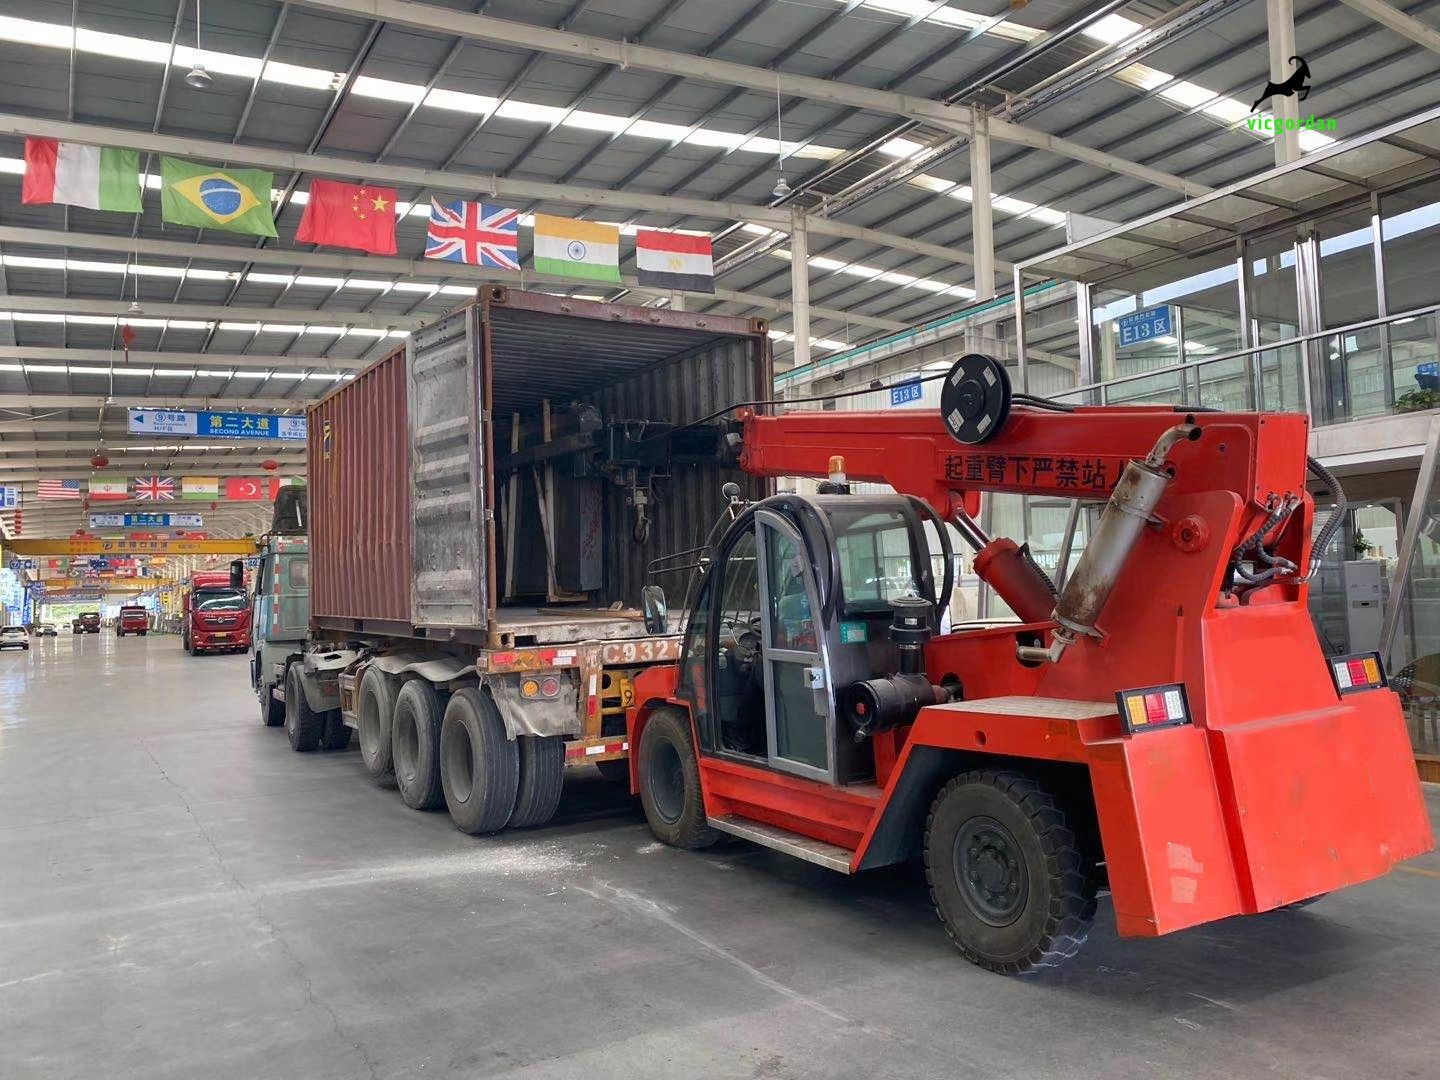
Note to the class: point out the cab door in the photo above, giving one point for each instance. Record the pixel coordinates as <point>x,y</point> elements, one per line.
<point>799,702</point>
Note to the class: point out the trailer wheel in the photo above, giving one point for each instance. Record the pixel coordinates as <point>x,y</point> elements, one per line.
<point>542,774</point>
<point>670,782</point>
<point>272,712</point>
<point>337,735</point>
<point>415,743</point>
<point>479,765</point>
<point>373,720</point>
<point>303,724</point>
<point>1006,872</point>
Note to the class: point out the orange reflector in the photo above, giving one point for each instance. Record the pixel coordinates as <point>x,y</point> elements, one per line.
<point>529,688</point>
<point>1152,707</point>
<point>1363,671</point>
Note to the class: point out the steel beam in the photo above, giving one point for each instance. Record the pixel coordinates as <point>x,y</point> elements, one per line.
<point>624,54</point>
<point>93,401</point>
<point>800,289</point>
<point>982,213</point>
<point>429,269</point>
<point>1393,19</point>
<point>57,305</point>
<point>117,358</point>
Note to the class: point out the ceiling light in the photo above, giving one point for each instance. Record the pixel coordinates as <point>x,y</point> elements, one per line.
<point>198,78</point>
<point>781,189</point>
<point>135,308</point>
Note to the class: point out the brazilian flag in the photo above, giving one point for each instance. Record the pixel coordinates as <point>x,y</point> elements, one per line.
<point>236,200</point>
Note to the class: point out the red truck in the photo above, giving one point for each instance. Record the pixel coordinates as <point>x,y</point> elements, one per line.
<point>216,614</point>
<point>132,620</point>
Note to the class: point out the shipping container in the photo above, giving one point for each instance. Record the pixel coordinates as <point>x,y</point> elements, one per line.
<point>486,507</point>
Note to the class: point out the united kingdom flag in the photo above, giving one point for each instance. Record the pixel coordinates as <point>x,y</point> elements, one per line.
<point>154,488</point>
<point>467,232</point>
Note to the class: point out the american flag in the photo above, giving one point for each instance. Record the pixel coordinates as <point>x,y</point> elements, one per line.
<point>59,489</point>
<point>467,232</point>
<point>154,488</point>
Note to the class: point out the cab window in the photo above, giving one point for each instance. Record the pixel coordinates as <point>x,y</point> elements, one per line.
<point>877,562</point>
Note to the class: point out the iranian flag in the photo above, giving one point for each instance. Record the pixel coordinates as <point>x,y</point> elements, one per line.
<point>581,249</point>
<point>672,260</point>
<point>109,487</point>
<point>99,177</point>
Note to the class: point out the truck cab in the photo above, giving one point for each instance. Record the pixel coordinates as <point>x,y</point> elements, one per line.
<point>216,615</point>
<point>132,619</point>
<point>280,609</point>
<point>87,622</point>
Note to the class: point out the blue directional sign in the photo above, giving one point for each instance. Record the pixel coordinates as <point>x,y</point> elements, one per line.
<point>218,425</point>
<point>1145,325</point>
<point>147,521</point>
<point>906,392</point>
<point>9,498</point>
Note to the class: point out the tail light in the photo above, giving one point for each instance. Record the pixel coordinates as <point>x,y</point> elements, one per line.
<point>1151,707</point>
<point>1360,671</point>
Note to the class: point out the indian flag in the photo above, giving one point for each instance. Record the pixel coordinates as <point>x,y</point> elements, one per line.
<point>199,487</point>
<point>99,177</point>
<point>109,487</point>
<point>579,249</point>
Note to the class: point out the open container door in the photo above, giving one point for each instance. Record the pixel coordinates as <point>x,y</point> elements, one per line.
<point>445,390</point>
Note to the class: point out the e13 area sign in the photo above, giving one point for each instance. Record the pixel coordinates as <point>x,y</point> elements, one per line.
<point>1145,325</point>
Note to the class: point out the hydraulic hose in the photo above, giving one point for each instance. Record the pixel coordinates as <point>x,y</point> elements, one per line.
<point>1337,516</point>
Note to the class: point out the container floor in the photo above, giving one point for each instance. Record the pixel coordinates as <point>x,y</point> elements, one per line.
<point>182,896</point>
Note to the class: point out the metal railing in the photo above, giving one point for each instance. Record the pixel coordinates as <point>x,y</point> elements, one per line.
<point>1278,375</point>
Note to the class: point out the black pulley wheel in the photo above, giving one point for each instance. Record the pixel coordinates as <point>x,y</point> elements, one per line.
<point>975,399</point>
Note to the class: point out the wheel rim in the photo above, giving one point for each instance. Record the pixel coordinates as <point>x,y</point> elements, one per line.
<point>406,742</point>
<point>459,765</point>
<point>990,869</point>
<point>666,780</point>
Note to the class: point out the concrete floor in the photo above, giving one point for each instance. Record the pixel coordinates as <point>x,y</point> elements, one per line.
<point>182,896</point>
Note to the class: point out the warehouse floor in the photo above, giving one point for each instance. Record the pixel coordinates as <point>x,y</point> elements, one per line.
<point>182,896</point>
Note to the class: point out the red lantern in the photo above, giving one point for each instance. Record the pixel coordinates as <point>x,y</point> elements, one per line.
<point>214,506</point>
<point>99,461</point>
<point>270,464</point>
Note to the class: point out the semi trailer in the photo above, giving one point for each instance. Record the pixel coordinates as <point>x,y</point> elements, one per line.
<point>487,506</point>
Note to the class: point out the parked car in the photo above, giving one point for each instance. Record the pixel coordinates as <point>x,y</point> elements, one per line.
<point>46,629</point>
<point>132,620</point>
<point>14,636</point>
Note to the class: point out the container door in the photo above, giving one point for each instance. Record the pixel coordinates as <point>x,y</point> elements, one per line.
<point>798,702</point>
<point>447,472</point>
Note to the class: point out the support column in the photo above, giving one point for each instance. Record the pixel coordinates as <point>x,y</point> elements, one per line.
<point>982,220</point>
<point>1280,21</point>
<point>677,300</point>
<point>800,287</point>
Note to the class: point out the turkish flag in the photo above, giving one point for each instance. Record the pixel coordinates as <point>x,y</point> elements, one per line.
<point>350,216</point>
<point>244,488</point>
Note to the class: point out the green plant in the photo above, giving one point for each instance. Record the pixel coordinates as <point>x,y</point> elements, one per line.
<point>1362,546</point>
<point>1417,400</point>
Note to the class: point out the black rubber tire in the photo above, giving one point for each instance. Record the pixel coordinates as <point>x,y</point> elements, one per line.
<point>143,632</point>
<point>542,775</point>
<point>616,772</point>
<point>336,735</point>
<point>1055,901</point>
<point>479,765</point>
<point>272,712</point>
<point>303,725</point>
<point>669,776</point>
<point>415,745</point>
<point>374,713</point>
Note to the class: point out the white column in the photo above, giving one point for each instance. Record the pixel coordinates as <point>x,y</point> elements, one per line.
<point>677,300</point>
<point>1280,19</point>
<point>800,286</point>
<point>982,221</point>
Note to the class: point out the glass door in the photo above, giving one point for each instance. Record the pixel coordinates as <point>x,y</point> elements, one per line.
<point>799,708</point>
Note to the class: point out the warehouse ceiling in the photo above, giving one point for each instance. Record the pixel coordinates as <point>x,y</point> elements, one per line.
<point>1152,90</point>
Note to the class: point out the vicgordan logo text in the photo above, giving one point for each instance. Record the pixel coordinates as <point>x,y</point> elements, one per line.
<point>1297,84</point>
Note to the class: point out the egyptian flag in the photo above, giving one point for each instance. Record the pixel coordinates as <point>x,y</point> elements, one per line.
<point>672,260</point>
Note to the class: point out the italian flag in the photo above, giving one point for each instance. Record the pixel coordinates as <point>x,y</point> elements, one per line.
<point>109,487</point>
<point>99,177</point>
<point>672,260</point>
<point>579,249</point>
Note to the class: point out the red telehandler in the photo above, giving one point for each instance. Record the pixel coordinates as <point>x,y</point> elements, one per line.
<point>1166,726</point>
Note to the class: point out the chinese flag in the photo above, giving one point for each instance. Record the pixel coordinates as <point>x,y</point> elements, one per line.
<point>244,488</point>
<point>357,216</point>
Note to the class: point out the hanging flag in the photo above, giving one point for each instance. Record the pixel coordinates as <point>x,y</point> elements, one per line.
<point>100,177</point>
<point>244,489</point>
<point>58,489</point>
<point>671,260</point>
<point>109,487</point>
<point>236,200</point>
<point>350,216</point>
<point>579,249</point>
<point>199,487</point>
<point>154,488</point>
<point>467,232</point>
